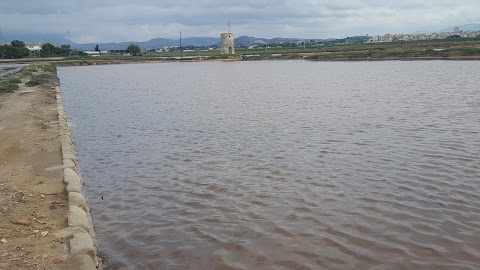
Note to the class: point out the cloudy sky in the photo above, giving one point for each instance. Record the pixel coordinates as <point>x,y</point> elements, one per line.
<point>140,20</point>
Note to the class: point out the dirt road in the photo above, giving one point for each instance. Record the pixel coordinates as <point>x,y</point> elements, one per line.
<point>33,202</point>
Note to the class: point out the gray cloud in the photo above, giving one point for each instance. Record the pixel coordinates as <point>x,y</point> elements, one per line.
<point>119,20</point>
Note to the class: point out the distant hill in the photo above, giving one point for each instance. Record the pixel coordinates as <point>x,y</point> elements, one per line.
<point>246,40</point>
<point>465,27</point>
<point>158,43</point>
<point>155,43</point>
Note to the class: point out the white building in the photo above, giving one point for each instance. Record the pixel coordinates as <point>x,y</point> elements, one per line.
<point>34,50</point>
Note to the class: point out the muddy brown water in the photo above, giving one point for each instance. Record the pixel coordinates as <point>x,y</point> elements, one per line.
<point>282,164</point>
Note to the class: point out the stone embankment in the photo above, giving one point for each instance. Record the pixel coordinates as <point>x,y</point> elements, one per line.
<point>83,248</point>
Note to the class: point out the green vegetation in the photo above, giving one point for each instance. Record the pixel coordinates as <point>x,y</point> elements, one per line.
<point>40,74</point>
<point>400,53</point>
<point>28,71</point>
<point>48,77</point>
<point>45,78</point>
<point>10,84</point>
<point>8,87</point>
<point>17,49</point>
<point>14,50</point>
<point>50,50</point>
<point>15,79</point>
<point>18,44</point>
<point>134,49</point>
<point>46,67</point>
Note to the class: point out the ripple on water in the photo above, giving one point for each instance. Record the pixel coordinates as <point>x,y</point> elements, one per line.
<point>285,165</point>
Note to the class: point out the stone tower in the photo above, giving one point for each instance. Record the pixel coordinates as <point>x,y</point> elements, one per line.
<point>226,43</point>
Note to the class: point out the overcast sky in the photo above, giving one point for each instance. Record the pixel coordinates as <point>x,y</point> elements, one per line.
<point>140,20</point>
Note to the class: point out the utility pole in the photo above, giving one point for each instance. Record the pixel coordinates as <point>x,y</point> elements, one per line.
<point>181,52</point>
<point>1,41</point>
<point>69,42</point>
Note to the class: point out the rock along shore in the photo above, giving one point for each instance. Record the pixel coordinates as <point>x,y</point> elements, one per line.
<point>83,245</point>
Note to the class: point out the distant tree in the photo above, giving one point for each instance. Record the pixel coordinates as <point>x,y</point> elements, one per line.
<point>96,48</point>
<point>18,44</point>
<point>64,49</point>
<point>9,51</point>
<point>48,49</point>
<point>133,49</point>
<point>24,51</point>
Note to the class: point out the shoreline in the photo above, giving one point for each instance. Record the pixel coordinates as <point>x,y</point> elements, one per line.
<point>90,62</point>
<point>79,217</point>
<point>65,62</point>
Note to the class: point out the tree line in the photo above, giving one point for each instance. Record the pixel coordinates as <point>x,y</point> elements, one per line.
<point>18,49</point>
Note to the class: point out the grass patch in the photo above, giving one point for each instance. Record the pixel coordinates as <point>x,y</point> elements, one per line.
<point>28,71</point>
<point>41,79</point>
<point>14,80</point>
<point>467,51</point>
<point>47,67</point>
<point>8,87</point>
<point>30,68</point>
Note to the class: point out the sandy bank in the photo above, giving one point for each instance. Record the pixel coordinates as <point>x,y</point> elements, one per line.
<point>34,205</point>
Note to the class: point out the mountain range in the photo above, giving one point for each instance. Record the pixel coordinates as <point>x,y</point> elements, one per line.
<point>157,43</point>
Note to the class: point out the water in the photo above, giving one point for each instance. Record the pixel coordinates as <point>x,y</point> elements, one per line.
<point>4,67</point>
<point>7,66</point>
<point>281,165</point>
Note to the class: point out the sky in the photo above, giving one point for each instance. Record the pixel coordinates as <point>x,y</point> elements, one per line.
<point>89,21</point>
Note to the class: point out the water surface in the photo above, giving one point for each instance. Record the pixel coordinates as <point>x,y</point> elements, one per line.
<point>281,165</point>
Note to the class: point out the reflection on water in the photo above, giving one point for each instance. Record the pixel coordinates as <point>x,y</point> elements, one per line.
<point>281,165</point>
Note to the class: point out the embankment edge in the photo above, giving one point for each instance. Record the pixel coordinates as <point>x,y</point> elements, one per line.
<point>83,245</point>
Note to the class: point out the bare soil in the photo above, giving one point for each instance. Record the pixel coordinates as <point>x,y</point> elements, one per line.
<point>33,201</point>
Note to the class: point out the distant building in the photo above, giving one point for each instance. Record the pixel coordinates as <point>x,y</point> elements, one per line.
<point>92,53</point>
<point>456,30</point>
<point>34,50</point>
<point>118,52</point>
<point>226,43</point>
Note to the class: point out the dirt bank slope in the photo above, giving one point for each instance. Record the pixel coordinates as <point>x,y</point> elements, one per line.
<point>33,202</point>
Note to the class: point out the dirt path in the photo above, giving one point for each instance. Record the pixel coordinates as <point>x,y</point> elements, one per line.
<point>33,202</point>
